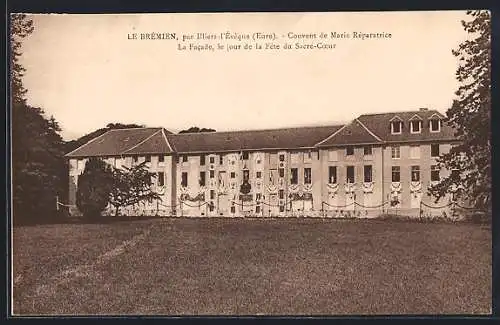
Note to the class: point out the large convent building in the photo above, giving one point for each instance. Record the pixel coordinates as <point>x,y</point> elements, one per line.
<point>377,163</point>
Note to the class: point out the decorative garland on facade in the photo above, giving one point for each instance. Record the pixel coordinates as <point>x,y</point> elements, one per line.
<point>332,188</point>
<point>187,197</point>
<point>300,196</point>
<point>161,190</point>
<point>396,187</point>
<point>272,188</point>
<point>368,187</point>
<point>415,187</point>
<point>308,187</point>
<point>350,187</point>
<point>294,188</point>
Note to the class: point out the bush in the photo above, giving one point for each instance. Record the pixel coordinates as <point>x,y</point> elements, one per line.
<point>93,190</point>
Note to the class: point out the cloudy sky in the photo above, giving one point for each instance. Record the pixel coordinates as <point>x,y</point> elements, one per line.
<point>85,71</point>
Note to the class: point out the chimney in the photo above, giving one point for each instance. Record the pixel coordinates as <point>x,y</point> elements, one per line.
<point>423,109</point>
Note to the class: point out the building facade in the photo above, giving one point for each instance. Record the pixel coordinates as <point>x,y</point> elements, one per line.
<point>376,164</point>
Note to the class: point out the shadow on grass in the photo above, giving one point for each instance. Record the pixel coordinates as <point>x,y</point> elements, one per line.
<point>60,218</point>
<point>65,219</point>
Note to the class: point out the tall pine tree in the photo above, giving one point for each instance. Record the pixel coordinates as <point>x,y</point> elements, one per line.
<point>470,161</point>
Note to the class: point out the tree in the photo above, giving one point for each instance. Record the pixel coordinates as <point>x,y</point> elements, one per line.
<point>21,27</point>
<point>94,186</point>
<point>195,129</point>
<point>132,186</point>
<point>470,160</point>
<point>37,153</point>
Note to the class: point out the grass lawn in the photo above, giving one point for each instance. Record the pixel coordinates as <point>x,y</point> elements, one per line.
<point>237,266</point>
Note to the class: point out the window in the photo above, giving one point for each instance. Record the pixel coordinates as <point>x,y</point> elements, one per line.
<point>148,158</point>
<point>434,150</point>
<point>258,196</point>
<point>396,127</point>
<point>211,206</point>
<point>282,208</point>
<point>161,178</point>
<point>233,175</point>
<point>257,209</point>
<point>258,161</point>
<point>415,173</point>
<point>221,160</point>
<point>212,194</point>
<point>212,174</point>
<point>136,159</point>
<point>281,194</point>
<point>282,157</point>
<point>435,125</point>
<point>415,126</point>
<point>177,159</point>
<point>332,174</point>
<point>294,176</point>
<point>415,152</point>
<point>246,175</point>
<point>368,173</point>
<point>367,150</point>
<point>184,179</point>
<point>258,174</point>
<point>212,160</point>
<point>395,152</point>
<point>245,155</point>
<point>233,209</point>
<point>435,173</point>
<point>184,158</point>
<point>161,158</point>
<point>350,174</point>
<point>308,156</point>
<point>396,174</point>
<point>307,176</point>
<point>281,172</point>
<point>202,179</point>
<point>349,151</point>
<point>332,155</point>
<point>202,160</point>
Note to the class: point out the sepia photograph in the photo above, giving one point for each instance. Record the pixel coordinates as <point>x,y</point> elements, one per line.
<point>251,164</point>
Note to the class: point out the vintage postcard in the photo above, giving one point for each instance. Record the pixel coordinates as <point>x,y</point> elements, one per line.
<point>323,163</point>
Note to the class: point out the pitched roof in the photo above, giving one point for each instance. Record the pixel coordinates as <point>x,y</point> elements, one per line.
<point>125,141</point>
<point>380,125</point>
<point>352,133</point>
<point>287,138</point>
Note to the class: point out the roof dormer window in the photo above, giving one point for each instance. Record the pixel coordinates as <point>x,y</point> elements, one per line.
<point>396,127</point>
<point>435,125</point>
<point>415,126</point>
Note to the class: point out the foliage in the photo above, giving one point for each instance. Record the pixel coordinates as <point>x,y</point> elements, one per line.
<point>38,166</point>
<point>94,185</point>
<point>470,117</point>
<point>21,27</point>
<point>195,129</point>
<point>37,163</point>
<point>131,186</point>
